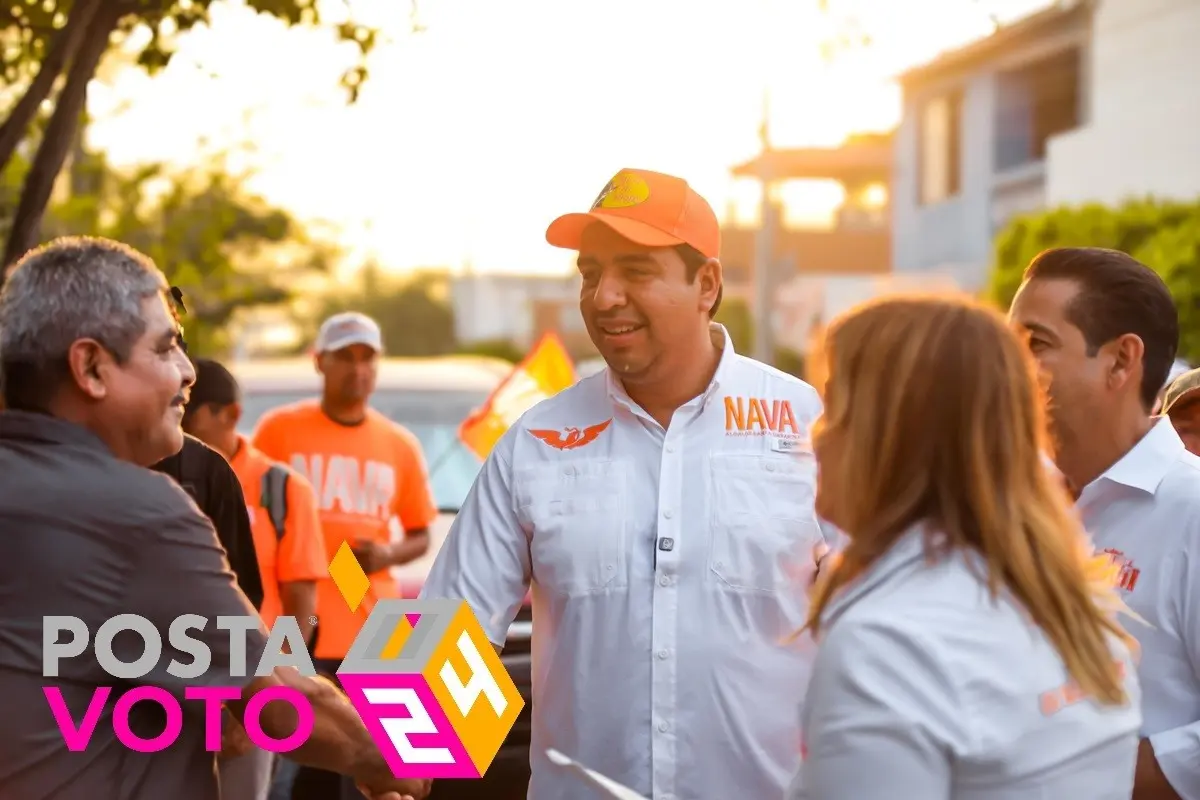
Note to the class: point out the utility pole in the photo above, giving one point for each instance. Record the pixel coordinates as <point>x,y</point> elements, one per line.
<point>764,245</point>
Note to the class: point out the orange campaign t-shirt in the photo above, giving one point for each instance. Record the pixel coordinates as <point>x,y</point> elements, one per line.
<point>365,476</point>
<point>300,554</point>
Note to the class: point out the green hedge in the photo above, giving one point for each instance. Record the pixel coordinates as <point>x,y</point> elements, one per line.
<point>1163,235</point>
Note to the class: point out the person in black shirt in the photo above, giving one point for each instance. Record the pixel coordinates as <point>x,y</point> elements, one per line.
<point>214,486</point>
<point>207,477</point>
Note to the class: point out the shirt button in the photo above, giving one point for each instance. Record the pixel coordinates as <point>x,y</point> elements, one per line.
<point>664,581</point>
<point>664,727</point>
<point>670,448</point>
<point>770,467</point>
<point>667,513</point>
<point>662,654</point>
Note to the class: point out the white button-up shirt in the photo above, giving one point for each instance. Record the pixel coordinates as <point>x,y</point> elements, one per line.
<point>1145,513</point>
<point>667,566</point>
<point>925,688</point>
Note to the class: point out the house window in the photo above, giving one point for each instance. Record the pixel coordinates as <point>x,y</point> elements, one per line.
<point>1034,104</point>
<point>940,155</point>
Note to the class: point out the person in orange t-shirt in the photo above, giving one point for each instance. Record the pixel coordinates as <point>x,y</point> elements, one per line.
<point>370,477</point>
<point>291,560</point>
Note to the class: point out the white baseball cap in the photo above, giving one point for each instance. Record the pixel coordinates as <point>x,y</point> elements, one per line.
<point>348,328</point>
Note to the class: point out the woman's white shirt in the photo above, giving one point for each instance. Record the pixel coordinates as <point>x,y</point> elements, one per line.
<point>924,686</point>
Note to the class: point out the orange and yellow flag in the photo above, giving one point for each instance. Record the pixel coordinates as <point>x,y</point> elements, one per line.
<point>546,371</point>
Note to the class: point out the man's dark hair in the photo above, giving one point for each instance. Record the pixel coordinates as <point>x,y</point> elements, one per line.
<point>214,386</point>
<point>1117,295</point>
<point>693,260</point>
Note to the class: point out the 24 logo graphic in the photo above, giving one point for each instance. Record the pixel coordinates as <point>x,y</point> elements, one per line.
<point>430,688</point>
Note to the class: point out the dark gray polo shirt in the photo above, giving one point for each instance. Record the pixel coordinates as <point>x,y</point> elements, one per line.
<point>85,534</point>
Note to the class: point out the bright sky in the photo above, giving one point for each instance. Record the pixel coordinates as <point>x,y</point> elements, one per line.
<point>472,135</point>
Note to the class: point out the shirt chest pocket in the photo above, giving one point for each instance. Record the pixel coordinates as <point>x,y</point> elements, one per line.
<point>577,515</point>
<point>763,527</point>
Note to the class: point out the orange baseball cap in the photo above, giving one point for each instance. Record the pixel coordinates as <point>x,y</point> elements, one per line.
<point>647,208</point>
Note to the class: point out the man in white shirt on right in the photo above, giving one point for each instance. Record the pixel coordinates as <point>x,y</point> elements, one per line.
<point>1104,330</point>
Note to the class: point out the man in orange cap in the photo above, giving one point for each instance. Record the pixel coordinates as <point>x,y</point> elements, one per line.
<point>669,540</point>
<point>649,337</point>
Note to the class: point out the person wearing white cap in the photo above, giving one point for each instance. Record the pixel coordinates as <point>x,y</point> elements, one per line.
<point>347,348</point>
<point>371,483</point>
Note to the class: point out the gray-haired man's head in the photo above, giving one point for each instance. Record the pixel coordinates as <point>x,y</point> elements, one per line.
<point>87,333</point>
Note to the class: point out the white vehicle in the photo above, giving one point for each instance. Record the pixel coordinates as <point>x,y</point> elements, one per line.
<point>430,397</point>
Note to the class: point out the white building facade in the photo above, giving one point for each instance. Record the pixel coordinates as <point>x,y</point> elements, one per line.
<point>1142,135</point>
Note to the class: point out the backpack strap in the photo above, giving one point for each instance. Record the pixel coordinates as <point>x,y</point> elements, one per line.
<point>274,497</point>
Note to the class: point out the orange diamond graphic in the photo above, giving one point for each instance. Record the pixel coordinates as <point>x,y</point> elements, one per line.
<point>348,576</point>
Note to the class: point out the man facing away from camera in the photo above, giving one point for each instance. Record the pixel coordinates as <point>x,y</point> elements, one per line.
<point>95,383</point>
<point>207,477</point>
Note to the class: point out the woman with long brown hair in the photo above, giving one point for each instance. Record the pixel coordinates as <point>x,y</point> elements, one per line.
<point>968,642</point>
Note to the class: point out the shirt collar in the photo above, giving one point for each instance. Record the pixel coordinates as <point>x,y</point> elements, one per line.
<point>30,426</point>
<point>1147,462</point>
<point>720,337</point>
<point>906,553</point>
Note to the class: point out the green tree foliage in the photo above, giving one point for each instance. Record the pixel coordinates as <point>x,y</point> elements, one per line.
<point>414,312</point>
<point>224,247</point>
<point>493,348</point>
<point>735,315</point>
<point>737,318</point>
<point>42,41</point>
<point>1164,235</point>
<point>12,175</point>
<point>30,31</point>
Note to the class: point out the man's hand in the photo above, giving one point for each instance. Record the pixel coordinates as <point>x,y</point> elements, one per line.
<point>372,556</point>
<point>1149,781</point>
<point>400,790</point>
<point>234,741</point>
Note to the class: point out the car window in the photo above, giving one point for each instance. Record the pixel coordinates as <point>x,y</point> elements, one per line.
<point>433,416</point>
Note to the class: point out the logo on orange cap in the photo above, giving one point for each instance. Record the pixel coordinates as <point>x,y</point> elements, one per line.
<point>624,190</point>
<point>648,208</point>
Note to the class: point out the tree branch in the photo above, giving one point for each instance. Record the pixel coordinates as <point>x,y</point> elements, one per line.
<point>62,49</point>
<point>60,133</point>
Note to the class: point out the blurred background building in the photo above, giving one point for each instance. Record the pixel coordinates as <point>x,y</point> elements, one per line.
<point>1080,102</point>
